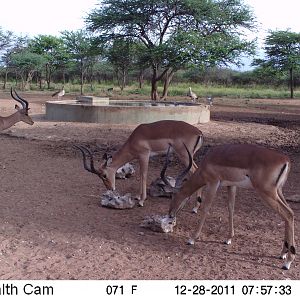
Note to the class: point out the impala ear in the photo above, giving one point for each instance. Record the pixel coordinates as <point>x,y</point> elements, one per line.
<point>17,107</point>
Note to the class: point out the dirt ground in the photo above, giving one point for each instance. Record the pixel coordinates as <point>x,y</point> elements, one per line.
<point>52,225</point>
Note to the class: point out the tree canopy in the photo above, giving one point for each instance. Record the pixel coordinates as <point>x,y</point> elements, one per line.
<point>174,33</point>
<point>282,50</point>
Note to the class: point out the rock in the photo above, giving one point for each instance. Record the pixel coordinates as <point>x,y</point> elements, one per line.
<point>113,199</point>
<point>159,223</point>
<point>125,171</point>
<point>158,188</point>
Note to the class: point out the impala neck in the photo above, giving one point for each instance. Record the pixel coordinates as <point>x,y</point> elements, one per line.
<point>6,122</point>
<point>121,157</point>
<point>181,197</point>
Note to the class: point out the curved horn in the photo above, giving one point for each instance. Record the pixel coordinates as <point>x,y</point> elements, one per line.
<point>23,102</point>
<point>181,176</point>
<point>90,168</point>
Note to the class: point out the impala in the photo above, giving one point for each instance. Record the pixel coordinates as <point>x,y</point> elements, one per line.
<point>147,139</point>
<point>20,115</point>
<point>246,166</point>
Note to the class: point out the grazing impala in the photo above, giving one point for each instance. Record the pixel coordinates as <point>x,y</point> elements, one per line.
<point>247,166</point>
<point>145,140</point>
<point>20,115</point>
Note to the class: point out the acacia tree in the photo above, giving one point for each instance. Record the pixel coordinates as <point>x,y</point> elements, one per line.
<point>52,49</point>
<point>26,64</point>
<point>5,39</point>
<point>79,44</point>
<point>121,56</point>
<point>6,43</point>
<point>282,50</point>
<point>174,32</point>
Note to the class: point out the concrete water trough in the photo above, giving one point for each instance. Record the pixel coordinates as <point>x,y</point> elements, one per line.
<point>105,111</point>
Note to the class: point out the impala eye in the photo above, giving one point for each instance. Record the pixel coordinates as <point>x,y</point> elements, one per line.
<point>104,176</point>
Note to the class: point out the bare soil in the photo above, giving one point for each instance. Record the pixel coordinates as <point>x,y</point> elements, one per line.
<point>53,227</point>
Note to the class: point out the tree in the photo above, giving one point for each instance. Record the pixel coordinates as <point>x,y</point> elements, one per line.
<point>175,32</point>
<point>17,45</point>
<point>121,56</point>
<point>27,63</point>
<point>282,50</point>
<point>81,48</point>
<point>5,39</point>
<point>52,49</point>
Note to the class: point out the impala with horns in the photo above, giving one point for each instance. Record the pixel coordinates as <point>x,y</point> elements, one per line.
<point>20,115</point>
<point>246,166</point>
<point>145,140</point>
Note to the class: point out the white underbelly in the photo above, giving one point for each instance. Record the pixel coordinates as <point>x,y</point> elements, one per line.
<point>244,183</point>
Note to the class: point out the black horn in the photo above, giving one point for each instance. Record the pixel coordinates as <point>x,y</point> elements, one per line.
<point>85,151</point>
<point>181,176</point>
<point>22,101</point>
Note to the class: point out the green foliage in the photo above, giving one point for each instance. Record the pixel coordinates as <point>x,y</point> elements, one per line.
<point>230,92</point>
<point>53,51</point>
<point>175,33</point>
<point>26,64</point>
<point>5,39</point>
<point>121,55</point>
<point>282,54</point>
<point>283,49</point>
<point>27,61</point>
<point>81,48</point>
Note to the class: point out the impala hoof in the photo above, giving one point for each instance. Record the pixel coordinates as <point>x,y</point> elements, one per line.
<point>286,267</point>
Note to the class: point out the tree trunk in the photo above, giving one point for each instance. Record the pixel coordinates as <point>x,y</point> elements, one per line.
<point>292,83</point>
<point>81,77</point>
<point>141,78</point>
<point>123,80</point>
<point>28,79</point>
<point>5,78</point>
<point>154,92</point>
<point>48,75</point>
<point>64,75</point>
<point>167,80</point>
<point>154,84</point>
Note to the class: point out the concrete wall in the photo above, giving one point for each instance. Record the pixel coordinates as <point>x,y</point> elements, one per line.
<point>129,115</point>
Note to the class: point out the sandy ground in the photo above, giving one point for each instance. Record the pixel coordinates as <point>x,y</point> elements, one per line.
<point>52,225</point>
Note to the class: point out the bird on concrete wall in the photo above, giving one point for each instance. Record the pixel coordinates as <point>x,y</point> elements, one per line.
<point>209,100</point>
<point>59,93</point>
<point>192,95</point>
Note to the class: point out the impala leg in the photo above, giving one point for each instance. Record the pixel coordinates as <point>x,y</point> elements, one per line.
<point>285,248</point>
<point>204,209</point>
<point>231,201</point>
<point>281,207</point>
<point>199,198</point>
<point>144,162</point>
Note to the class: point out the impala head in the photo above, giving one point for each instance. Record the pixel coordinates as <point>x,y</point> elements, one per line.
<point>23,111</point>
<point>106,173</point>
<point>178,183</point>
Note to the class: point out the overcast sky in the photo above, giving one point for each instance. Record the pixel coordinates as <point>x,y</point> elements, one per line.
<point>33,17</point>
